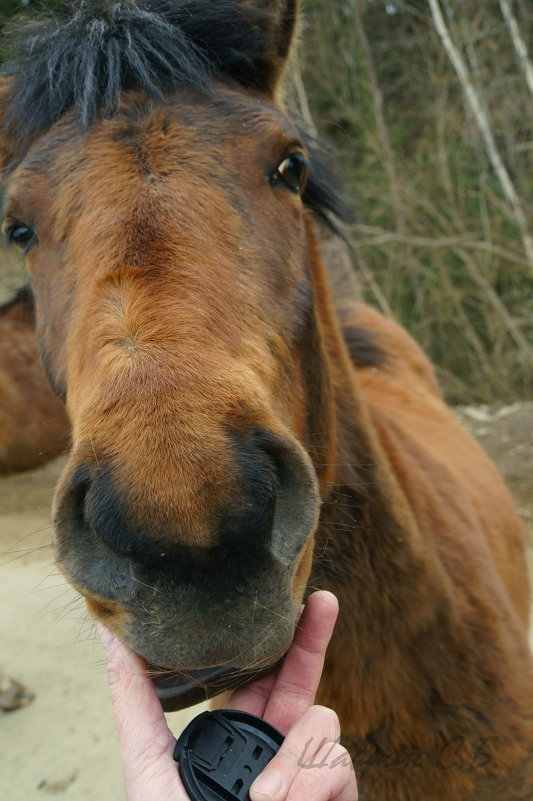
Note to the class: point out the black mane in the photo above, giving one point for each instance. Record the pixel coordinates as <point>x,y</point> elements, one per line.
<point>85,56</point>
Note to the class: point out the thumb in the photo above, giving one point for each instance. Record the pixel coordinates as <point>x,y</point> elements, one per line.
<point>146,743</point>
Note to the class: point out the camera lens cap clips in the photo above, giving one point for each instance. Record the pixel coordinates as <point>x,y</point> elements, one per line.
<point>221,753</point>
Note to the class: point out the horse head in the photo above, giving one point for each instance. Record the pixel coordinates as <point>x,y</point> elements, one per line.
<point>164,199</point>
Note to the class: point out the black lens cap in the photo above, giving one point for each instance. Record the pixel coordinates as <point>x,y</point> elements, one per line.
<point>221,753</point>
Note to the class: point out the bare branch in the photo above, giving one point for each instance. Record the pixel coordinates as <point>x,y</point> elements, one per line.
<point>482,120</point>
<point>518,42</point>
<point>379,236</point>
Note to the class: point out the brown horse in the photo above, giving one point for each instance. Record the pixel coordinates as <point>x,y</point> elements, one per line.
<point>33,424</point>
<point>236,441</point>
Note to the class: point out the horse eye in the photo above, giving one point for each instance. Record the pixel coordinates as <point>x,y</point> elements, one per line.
<point>21,235</point>
<point>292,173</point>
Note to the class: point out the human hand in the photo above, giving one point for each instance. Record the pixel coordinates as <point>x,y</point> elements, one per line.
<point>283,698</point>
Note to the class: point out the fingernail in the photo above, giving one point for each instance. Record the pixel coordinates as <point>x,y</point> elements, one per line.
<point>105,635</point>
<point>267,784</point>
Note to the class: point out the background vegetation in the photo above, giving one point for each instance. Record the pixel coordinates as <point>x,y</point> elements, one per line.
<point>441,241</point>
<point>429,107</point>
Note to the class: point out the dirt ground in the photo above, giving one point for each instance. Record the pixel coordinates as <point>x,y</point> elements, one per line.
<point>63,745</point>
<point>506,433</point>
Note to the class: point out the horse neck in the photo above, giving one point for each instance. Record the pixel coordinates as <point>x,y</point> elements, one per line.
<point>368,542</point>
<point>405,668</point>
<point>369,549</point>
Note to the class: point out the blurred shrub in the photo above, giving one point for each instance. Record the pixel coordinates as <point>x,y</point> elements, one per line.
<point>435,231</point>
<point>436,241</point>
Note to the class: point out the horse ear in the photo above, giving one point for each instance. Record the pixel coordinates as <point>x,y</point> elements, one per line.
<point>279,36</point>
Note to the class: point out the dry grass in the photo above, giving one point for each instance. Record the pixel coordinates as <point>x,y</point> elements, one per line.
<point>438,240</point>
<point>441,240</point>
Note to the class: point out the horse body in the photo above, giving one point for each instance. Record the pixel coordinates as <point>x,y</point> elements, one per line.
<point>33,424</point>
<point>235,442</point>
<point>420,540</point>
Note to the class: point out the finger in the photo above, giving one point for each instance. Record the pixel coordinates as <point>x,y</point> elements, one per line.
<point>138,714</point>
<point>329,777</point>
<point>146,743</point>
<point>289,691</point>
<point>316,728</point>
<point>254,697</point>
<point>297,681</point>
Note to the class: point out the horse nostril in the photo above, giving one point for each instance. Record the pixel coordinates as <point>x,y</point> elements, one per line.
<point>86,550</point>
<point>269,502</point>
<point>284,487</point>
<point>73,497</point>
<point>89,504</point>
<point>104,515</point>
<point>70,510</point>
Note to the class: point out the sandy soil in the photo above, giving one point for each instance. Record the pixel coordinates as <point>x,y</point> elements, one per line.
<point>506,433</point>
<point>63,743</point>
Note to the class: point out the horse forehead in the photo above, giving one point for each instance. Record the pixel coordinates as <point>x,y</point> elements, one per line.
<point>189,144</point>
<point>214,129</point>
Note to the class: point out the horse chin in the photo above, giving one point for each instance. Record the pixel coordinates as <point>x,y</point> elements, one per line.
<point>179,690</point>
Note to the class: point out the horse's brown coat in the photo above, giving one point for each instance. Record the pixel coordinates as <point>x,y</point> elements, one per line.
<point>182,307</point>
<point>33,425</point>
